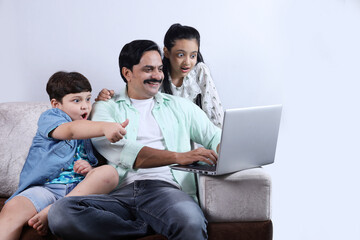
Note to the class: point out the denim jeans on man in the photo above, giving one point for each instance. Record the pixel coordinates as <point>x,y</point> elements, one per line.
<point>139,209</point>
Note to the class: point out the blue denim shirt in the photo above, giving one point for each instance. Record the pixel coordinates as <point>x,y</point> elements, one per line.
<point>47,156</point>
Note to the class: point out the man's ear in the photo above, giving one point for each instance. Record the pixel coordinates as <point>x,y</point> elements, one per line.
<point>54,103</point>
<point>166,52</point>
<point>127,73</point>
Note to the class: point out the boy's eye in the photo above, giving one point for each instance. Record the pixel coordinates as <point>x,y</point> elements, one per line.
<point>76,100</point>
<point>88,99</point>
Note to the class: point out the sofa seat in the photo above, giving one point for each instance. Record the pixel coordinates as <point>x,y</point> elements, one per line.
<point>237,205</point>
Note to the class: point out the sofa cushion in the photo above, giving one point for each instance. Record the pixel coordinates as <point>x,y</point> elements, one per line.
<point>18,125</point>
<point>236,197</point>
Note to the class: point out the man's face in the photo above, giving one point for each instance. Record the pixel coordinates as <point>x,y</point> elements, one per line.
<point>145,78</point>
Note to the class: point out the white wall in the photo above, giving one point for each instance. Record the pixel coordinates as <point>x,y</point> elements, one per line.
<point>303,54</point>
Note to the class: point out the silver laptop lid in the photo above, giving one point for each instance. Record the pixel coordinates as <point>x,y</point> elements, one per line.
<point>249,138</point>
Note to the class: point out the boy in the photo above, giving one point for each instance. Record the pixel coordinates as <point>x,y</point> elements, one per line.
<point>60,157</point>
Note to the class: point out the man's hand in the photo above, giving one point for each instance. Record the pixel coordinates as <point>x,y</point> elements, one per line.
<point>150,157</point>
<point>199,154</point>
<point>115,131</point>
<point>82,167</point>
<point>104,95</point>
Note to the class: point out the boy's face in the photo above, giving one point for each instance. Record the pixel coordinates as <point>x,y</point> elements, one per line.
<point>76,105</point>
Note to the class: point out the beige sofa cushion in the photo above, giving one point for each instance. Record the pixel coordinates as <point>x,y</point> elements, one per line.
<point>236,197</point>
<point>18,125</point>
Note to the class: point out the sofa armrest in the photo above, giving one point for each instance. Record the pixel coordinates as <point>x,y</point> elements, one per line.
<point>18,124</point>
<point>237,197</point>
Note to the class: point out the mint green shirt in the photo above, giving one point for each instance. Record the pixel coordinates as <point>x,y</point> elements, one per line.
<point>179,119</point>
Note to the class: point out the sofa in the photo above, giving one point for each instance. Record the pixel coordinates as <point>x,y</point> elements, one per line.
<point>237,205</point>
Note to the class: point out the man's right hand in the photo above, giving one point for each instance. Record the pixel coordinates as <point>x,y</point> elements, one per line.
<point>200,154</point>
<point>115,131</point>
<point>104,95</point>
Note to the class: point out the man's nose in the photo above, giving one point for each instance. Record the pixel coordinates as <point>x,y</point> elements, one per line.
<point>158,75</point>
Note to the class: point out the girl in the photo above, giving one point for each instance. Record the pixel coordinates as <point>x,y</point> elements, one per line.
<point>185,73</point>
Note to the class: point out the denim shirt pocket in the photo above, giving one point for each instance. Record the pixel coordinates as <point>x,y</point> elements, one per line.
<point>64,148</point>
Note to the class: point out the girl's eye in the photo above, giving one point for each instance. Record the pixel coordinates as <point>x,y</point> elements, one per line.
<point>193,56</point>
<point>180,55</point>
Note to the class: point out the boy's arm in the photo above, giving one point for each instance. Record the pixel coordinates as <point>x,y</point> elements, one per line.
<point>104,95</point>
<point>84,129</point>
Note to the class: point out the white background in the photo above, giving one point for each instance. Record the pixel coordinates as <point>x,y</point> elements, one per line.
<point>303,54</point>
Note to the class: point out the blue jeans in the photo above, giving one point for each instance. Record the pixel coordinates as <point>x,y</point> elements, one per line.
<point>138,209</point>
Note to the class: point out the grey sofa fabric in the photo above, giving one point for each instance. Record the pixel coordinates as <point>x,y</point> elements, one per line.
<point>236,197</point>
<point>239,197</point>
<point>18,124</point>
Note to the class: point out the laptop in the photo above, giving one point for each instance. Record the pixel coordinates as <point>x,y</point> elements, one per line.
<point>249,137</point>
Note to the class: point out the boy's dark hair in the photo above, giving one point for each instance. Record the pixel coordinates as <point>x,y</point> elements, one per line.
<point>132,52</point>
<point>178,32</point>
<point>63,83</point>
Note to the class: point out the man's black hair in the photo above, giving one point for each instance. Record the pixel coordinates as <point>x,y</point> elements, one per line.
<point>132,52</point>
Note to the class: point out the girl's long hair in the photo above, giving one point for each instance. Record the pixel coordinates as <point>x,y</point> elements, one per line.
<point>177,32</point>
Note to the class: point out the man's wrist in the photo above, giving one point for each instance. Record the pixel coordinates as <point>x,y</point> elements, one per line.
<point>176,157</point>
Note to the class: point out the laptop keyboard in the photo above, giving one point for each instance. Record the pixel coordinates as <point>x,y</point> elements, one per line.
<point>203,167</point>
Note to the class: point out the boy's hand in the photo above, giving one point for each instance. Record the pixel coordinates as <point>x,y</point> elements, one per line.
<point>115,131</point>
<point>104,95</point>
<point>82,167</point>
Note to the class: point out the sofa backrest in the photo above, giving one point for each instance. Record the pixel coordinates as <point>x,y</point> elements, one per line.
<point>18,125</point>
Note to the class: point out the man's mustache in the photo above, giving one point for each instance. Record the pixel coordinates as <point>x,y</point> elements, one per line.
<point>152,81</point>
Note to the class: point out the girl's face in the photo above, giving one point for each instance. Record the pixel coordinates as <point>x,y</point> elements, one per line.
<point>182,56</point>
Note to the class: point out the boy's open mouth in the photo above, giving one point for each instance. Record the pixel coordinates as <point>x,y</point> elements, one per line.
<point>83,116</point>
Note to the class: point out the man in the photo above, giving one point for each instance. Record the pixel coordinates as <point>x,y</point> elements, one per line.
<point>150,197</point>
